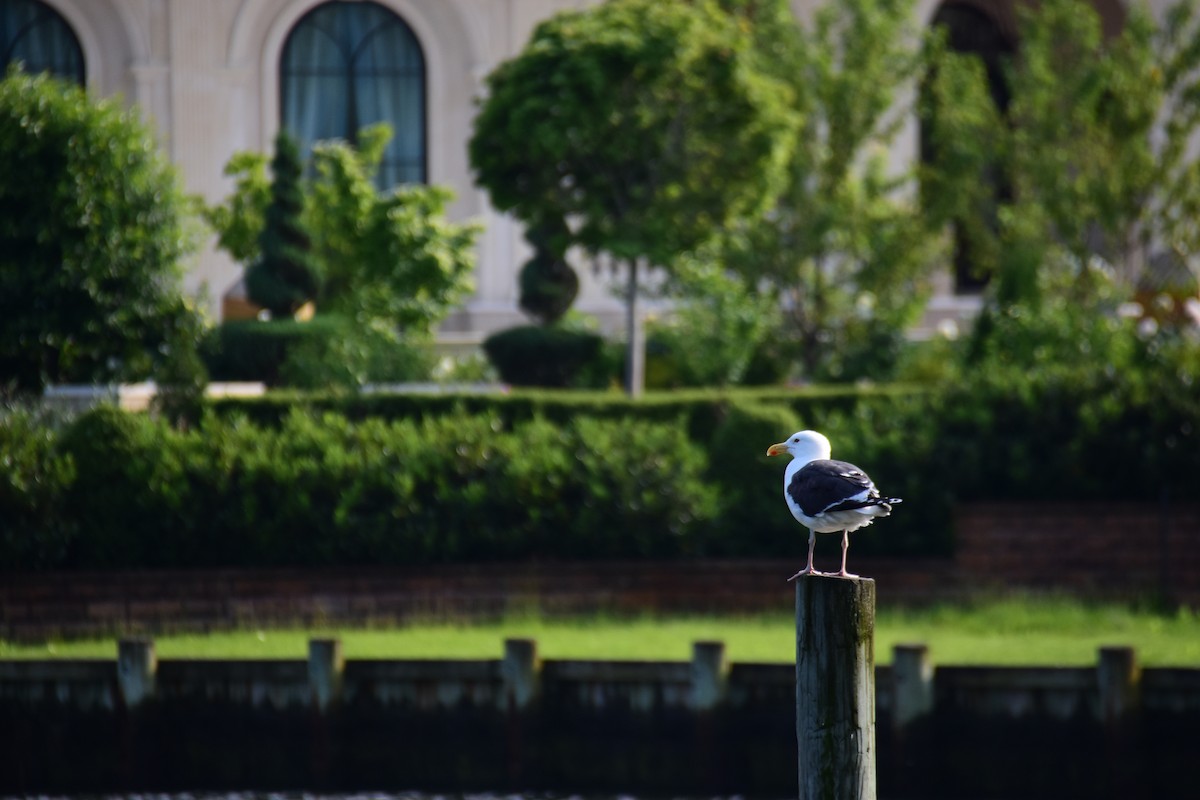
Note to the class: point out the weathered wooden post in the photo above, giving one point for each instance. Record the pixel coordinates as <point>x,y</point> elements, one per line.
<point>519,672</point>
<point>520,675</point>
<point>912,693</point>
<point>326,666</point>
<point>708,675</point>
<point>1118,679</point>
<point>137,670</point>
<point>835,687</point>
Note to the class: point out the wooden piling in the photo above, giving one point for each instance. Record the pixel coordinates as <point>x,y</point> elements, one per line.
<point>835,687</point>
<point>137,670</point>
<point>326,668</point>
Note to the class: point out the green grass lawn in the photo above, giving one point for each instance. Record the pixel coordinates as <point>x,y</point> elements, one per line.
<point>1001,632</point>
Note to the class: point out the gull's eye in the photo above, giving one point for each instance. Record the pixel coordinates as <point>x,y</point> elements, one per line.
<point>796,440</point>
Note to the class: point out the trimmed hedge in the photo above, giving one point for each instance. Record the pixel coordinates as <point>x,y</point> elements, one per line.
<point>321,490</point>
<point>416,479</point>
<point>550,355</point>
<point>701,410</point>
<point>328,350</point>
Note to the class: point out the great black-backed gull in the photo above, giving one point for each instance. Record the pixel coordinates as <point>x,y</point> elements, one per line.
<point>825,495</point>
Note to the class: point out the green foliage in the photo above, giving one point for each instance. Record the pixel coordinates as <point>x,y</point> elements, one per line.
<point>1094,152</point>
<point>391,257</point>
<point>547,282</point>
<point>384,258</point>
<point>552,355</point>
<point>35,530</point>
<point>284,277</point>
<point>327,352</point>
<point>843,251</point>
<point>751,484</point>
<point>357,356</point>
<point>91,238</point>
<point>645,125</point>
<point>241,219</point>
<point>711,336</point>
<point>414,479</point>
<point>320,490</point>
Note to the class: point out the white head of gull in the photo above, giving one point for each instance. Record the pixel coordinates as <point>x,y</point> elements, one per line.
<point>825,495</point>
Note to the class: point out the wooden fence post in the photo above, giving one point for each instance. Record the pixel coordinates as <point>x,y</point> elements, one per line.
<point>137,670</point>
<point>325,669</point>
<point>835,687</point>
<point>708,675</point>
<point>520,673</point>
<point>912,693</point>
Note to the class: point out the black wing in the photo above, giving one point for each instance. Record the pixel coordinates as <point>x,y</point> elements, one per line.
<point>830,485</point>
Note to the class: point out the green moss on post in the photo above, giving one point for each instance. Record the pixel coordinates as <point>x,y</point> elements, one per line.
<point>835,687</point>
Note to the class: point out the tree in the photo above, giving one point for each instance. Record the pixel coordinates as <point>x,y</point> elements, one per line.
<point>845,248</point>
<point>640,125</point>
<point>393,256</point>
<point>389,260</point>
<point>1095,147</point>
<point>92,234</point>
<point>283,277</point>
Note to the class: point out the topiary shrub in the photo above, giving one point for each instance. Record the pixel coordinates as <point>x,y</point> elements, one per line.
<point>91,240</point>
<point>284,277</point>
<point>553,356</point>
<point>547,282</point>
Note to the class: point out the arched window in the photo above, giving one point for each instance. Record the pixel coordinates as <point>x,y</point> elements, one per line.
<point>350,64</point>
<point>36,35</point>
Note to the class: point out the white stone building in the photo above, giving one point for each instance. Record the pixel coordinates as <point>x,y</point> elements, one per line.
<point>218,76</point>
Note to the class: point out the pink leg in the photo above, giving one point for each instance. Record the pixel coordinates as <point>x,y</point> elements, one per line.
<point>812,543</point>
<point>845,547</point>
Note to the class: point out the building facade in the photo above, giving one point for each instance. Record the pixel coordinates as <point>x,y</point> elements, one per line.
<point>219,76</point>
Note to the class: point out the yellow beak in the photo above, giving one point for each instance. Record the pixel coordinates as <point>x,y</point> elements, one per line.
<point>777,449</point>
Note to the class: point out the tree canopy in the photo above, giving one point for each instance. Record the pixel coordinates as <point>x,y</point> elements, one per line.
<point>388,259</point>
<point>1071,195</point>
<point>642,125</point>
<point>845,249</point>
<point>92,236</point>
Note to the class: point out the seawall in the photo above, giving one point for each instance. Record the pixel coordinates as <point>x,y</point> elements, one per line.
<point>139,723</point>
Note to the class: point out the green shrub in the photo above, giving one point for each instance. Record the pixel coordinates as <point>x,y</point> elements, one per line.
<point>751,484</point>
<point>551,356</point>
<point>361,355</point>
<point>323,490</point>
<point>250,350</point>
<point>327,352</point>
<point>35,528</point>
<point>285,276</point>
<point>418,479</point>
<point>92,235</point>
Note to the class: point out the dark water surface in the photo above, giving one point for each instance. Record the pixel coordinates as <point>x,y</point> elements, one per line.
<point>402,795</point>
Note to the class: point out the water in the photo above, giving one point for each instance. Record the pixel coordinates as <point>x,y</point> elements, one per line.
<point>406,795</point>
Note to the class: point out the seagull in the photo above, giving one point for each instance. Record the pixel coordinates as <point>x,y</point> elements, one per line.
<point>825,495</point>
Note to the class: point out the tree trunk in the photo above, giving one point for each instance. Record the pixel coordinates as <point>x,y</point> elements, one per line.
<point>635,349</point>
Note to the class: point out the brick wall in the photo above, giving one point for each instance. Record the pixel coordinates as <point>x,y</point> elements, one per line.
<point>1109,549</point>
<point>1105,550</point>
<point>74,604</point>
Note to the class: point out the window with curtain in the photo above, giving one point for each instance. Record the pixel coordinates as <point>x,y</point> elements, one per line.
<point>350,64</point>
<point>36,35</point>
